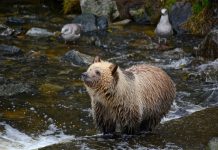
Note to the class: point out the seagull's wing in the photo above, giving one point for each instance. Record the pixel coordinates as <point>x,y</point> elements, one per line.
<point>77,31</point>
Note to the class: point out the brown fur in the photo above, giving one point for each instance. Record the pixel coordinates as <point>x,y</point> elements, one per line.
<point>132,100</point>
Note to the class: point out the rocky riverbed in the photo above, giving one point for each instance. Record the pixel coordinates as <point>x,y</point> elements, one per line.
<point>44,105</point>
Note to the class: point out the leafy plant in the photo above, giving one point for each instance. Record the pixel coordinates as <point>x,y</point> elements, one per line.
<point>199,23</point>
<point>199,6</point>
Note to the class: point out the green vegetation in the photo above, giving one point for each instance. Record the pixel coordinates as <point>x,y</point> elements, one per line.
<point>168,3</point>
<point>71,5</point>
<point>199,23</point>
<point>199,6</point>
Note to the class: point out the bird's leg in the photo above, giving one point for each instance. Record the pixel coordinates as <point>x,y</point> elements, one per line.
<point>165,40</point>
<point>159,40</point>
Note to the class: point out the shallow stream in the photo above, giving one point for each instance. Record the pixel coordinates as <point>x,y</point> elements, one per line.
<point>58,110</point>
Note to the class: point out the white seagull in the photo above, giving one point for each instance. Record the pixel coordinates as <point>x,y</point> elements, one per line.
<point>164,28</point>
<point>71,32</point>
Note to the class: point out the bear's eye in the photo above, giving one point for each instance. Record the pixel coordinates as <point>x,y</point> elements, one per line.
<point>98,72</point>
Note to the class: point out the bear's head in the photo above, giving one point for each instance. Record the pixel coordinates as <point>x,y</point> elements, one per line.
<point>100,74</point>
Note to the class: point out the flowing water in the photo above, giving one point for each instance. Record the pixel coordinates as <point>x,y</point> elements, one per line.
<point>59,111</point>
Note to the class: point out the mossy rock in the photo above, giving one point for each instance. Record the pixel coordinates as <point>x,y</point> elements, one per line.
<point>153,10</point>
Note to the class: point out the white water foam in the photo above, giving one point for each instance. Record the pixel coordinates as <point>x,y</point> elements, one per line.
<point>187,108</point>
<point>173,112</point>
<point>212,64</point>
<point>178,64</point>
<point>13,139</point>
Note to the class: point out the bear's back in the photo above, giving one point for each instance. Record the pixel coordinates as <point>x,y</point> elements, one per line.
<point>154,88</point>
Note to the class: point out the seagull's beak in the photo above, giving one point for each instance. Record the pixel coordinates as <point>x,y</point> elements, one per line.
<point>62,31</point>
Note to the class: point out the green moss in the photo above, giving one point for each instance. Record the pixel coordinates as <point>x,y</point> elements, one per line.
<point>168,3</point>
<point>199,6</point>
<point>71,5</point>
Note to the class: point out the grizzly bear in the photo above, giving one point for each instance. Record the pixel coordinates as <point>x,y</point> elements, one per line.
<point>130,100</point>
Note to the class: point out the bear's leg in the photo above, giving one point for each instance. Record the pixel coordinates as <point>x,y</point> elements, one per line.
<point>128,130</point>
<point>148,124</point>
<point>106,125</point>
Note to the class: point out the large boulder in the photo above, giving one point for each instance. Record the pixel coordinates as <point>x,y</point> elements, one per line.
<point>179,14</point>
<point>100,8</point>
<point>91,22</point>
<point>209,46</point>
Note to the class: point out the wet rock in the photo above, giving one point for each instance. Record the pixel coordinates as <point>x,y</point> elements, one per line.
<point>6,31</point>
<point>50,89</point>
<point>9,50</point>
<point>35,56</point>
<point>183,131</point>
<point>91,22</point>
<point>209,46</point>
<point>122,22</point>
<point>76,58</point>
<point>91,39</point>
<point>213,144</point>
<point>15,21</point>
<point>139,15</point>
<point>11,88</point>
<point>39,32</point>
<point>179,14</point>
<point>88,22</point>
<point>102,23</point>
<point>106,8</point>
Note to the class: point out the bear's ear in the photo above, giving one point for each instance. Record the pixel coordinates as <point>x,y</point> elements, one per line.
<point>96,59</point>
<point>113,68</point>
